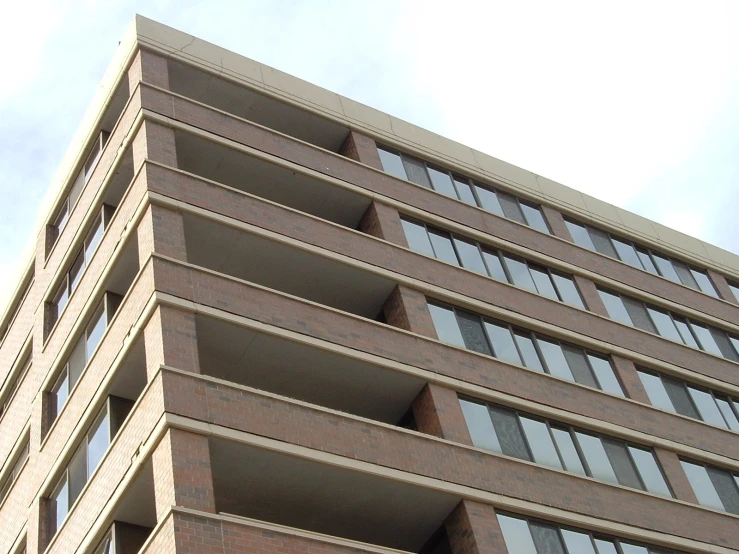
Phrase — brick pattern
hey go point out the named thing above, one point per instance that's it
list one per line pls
(675, 475)
(626, 372)
(361, 148)
(170, 338)
(722, 286)
(473, 528)
(161, 230)
(377, 182)
(275, 309)
(150, 68)
(407, 309)
(382, 221)
(437, 412)
(154, 142)
(556, 222)
(182, 473)
(590, 296)
(252, 412)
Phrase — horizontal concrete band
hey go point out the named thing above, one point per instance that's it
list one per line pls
(207, 292)
(436, 278)
(427, 201)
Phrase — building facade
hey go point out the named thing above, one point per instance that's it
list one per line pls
(261, 317)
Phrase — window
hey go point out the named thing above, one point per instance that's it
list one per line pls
(640, 257)
(16, 466)
(13, 382)
(522, 347)
(461, 188)
(81, 354)
(529, 536)
(691, 401)
(81, 261)
(631, 311)
(487, 261)
(714, 487)
(86, 459)
(560, 446)
(735, 290)
(123, 538)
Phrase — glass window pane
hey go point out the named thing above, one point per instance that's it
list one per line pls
(621, 463)
(495, 266)
(503, 346)
(519, 272)
(546, 538)
(577, 543)
(665, 267)
(470, 255)
(443, 248)
(638, 314)
(707, 407)
(442, 182)
(480, 426)
(528, 351)
(489, 200)
(704, 283)
(685, 333)
(596, 458)
(392, 164)
(61, 503)
(647, 261)
(579, 365)
(702, 485)
(633, 549)
(568, 451)
(446, 325)
(416, 172)
(543, 282)
(602, 243)
(509, 433)
(472, 333)
(98, 441)
(77, 472)
(93, 239)
(726, 488)
(62, 217)
(60, 393)
(684, 274)
(568, 290)
(418, 239)
(734, 290)
(75, 272)
(604, 373)
(722, 341)
(729, 414)
(680, 398)
(627, 253)
(605, 547)
(464, 191)
(580, 235)
(540, 442)
(664, 324)
(555, 359)
(705, 339)
(95, 331)
(77, 362)
(534, 218)
(62, 296)
(734, 343)
(656, 391)
(510, 206)
(516, 535)
(615, 307)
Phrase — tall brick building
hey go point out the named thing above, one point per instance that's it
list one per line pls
(262, 317)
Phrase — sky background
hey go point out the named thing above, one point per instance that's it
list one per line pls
(635, 103)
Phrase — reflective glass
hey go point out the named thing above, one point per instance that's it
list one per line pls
(540, 443)
(95, 331)
(664, 324)
(446, 325)
(684, 274)
(516, 535)
(75, 272)
(98, 441)
(512, 442)
(442, 182)
(615, 307)
(649, 471)
(638, 314)
(519, 272)
(705, 339)
(605, 375)
(627, 253)
(580, 235)
(707, 407)
(735, 290)
(495, 266)
(61, 504)
(555, 359)
(579, 365)
(722, 341)
(647, 261)
(502, 341)
(577, 543)
(464, 191)
(93, 239)
(489, 200)
(665, 267)
(725, 487)
(729, 414)
(480, 426)
(61, 393)
(543, 282)
(77, 472)
(416, 172)
(605, 547)
(510, 206)
(534, 218)
(633, 549)
(474, 337)
(685, 333)
(392, 164)
(568, 290)
(77, 362)
(602, 243)
(621, 463)
(702, 485)
(62, 217)
(546, 538)
(418, 239)
(596, 458)
(443, 249)
(568, 451)
(61, 298)
(680, 397)
(656, 391)
(528, 351)
(470, 255)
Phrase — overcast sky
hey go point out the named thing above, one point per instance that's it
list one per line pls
(636, 103)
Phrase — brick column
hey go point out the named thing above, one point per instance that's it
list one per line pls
(161, 230)
(361, 148)
(154, 142)
(37, 536)
(382, 221)
(626, 371)
(437, 412)
(182, 473)
(675, 475)
(472, 528)
(556, 223)
(170, 338)
(150, 68)
(590, 296)
(722, 287)
(407, 308)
